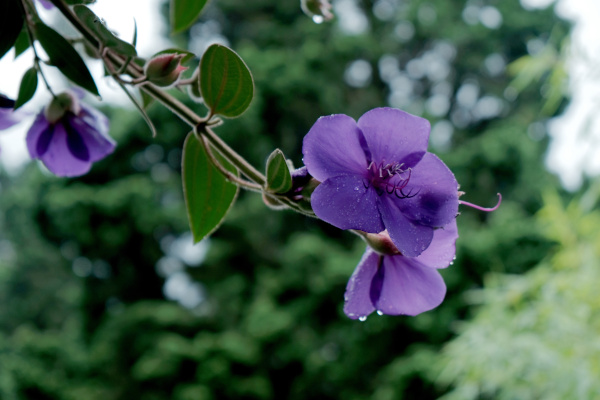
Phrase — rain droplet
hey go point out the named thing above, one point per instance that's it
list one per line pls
(451, 262)
(356, 188)
(379, 312)
(363, 318)
(317, 19)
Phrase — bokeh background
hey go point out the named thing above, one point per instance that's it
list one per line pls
(103, 295)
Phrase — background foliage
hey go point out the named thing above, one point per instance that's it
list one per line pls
(85, 264)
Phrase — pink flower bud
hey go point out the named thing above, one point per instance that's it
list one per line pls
(165, 69)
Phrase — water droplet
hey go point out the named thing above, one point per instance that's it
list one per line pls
(356, 188)
(379, 312)
(452, 263)
(317, 19)
(363, 318)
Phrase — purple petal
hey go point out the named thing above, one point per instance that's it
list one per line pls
(393, 135)
(442, 249)
(58, 158)
(93, 127)
(410, 237)
(8, 118)
(344, 202)
(46, 4)
(408, 287)
(436, 201)
(357, 297)
(333, 147)
(44, 140)
(36, 134)
(75, 143)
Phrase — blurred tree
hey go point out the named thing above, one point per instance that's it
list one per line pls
(86, 263)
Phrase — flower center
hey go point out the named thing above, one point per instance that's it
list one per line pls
(381, 177)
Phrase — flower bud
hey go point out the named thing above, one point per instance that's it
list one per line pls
(165, 69)
(318, 10)
(380, 242)
(58, 107)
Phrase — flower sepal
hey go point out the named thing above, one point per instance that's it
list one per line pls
(165, 69)
(380, 242)
(60, 105)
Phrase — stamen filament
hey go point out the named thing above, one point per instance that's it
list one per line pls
(466, 203)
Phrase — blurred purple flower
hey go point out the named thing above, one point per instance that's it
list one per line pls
(8, 117)
(377, 175)
(397, 285)
(68, 137)
(46, 4)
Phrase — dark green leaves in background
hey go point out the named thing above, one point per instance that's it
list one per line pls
(28, 87)
(208, 195)
(65, 57)
(105, 36)
(11, 22)
(184, 13)
(279, 179)
(225, 82)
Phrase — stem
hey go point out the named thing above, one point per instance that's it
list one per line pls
(199, 124)
(486, 209)
(36, 57)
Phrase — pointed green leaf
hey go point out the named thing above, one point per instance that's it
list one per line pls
(22, 43)
(279, 179)
(106, 37)
(225, 81)
(140, 109)
(208, 195)
(28, 87)
(63, 56)
(11, 21)
(184, 13)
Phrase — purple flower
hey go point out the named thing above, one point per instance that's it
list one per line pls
(68, 137)
(46, 4)
(376, 175)
(397, 285)
(8, 117)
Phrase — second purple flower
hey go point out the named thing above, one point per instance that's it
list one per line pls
(376, 175)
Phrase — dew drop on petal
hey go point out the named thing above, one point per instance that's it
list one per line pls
(317, 19)
(363, 318)
(379, 312)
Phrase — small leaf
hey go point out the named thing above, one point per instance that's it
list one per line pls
(11, 21)
(106, 37)
(225, 81)
(22, 43)
(184, 13)
(28, 87)
(279, 179)
(63, 56)
(140, 109)
(208, 195)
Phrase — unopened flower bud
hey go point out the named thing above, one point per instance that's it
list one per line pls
(66, 101)
(318, 10)
(165, 69)
(380, 242)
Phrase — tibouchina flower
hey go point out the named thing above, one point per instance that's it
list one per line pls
(376, 175)
(397, 285)
(68, 137)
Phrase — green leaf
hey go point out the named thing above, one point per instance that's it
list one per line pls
(184, 13)
(225, 81)
(208, 195)
(106, 37)
(279, 179)
(63, 56)
(11, 21)
(22, 43)
(28, 87)
(140, 109)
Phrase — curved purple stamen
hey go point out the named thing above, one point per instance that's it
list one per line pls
(466, 203)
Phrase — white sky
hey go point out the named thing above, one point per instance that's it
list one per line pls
(575, 145)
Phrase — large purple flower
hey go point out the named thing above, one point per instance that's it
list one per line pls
(397, 285)
(68, 137)
(376, 175)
